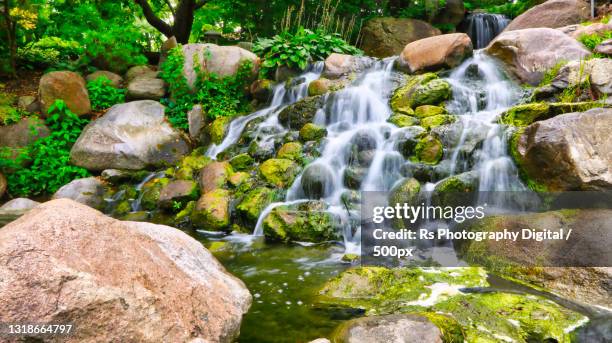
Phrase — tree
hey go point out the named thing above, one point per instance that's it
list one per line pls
(183, 18)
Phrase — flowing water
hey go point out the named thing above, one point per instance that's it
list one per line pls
(483, 27)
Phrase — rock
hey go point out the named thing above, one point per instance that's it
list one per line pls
(428, 111)
(25, 132)
(593, 75)
(401, 120)
(354, 176)
(568, 152)
(318, 87)
(341, 65)
(451, 14)
(291, 151)
(88, 191)
(254, 202)
(532, 262)
(142, 71)
(238, 178)
(115, 80)
(117, 176)
(529, 53)
(178, 191)
(426, 89)
(434, 53)
(214, 176)
(165, 49)
(261, 90)
(3, 185)
(15, 209)
(241, 162)
(320, 340)
(577, 30)
(429, 150)
(601, 75)
(218, 129)
(384, 37)
(220, 60)
(28, 103)
(284, 73)
(406, 192)
(552, 14)
(298, 114)
(189, 167)
(143, 88)
(304, 222)
(452, 190)
(279, 171)
(525, 114)
(150, 193)
(312, 132)
(164, 276)
(437, 120)
(197, 121)
(604, 47)
(133, 135)
(392, 328)
(67, 86)
(212, 211)
(317, 181)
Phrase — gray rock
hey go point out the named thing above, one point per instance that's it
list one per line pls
(140, 71)
(394, 328)
(144, 88)
(132, 136)
(115, 80)
(384, 37)
(88, 191)
(19, 204)
(197, 121)
(28, 103)
(341, 65)
(604, 47)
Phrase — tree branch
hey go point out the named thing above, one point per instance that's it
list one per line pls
(154, 20)
(170, 7)
(200, 4)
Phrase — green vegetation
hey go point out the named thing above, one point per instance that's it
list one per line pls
(44, 166)
(593, 40)
(103, 95)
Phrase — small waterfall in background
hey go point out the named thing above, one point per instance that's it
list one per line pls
(483, 27)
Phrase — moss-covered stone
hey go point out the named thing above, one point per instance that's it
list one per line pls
(237, 178)
(150, 193)
(290, 151)
(429, 150)
(212, 211)
(437, 120)
(218, 129)
(452, 190)
(402, 120)
(518, 160)
(306, 222)
(525, 114)
(405, 193)
(428, 111)
(318, 87)
(190, 165)
(215, 175)
(254, 202)
(177, 193)
(241, 162)
(312, 132)
(185, 212)
(298, 114)
(279, 171)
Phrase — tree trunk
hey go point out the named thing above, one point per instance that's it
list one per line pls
(10, 37)
(183, 19)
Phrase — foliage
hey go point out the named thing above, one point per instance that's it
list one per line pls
(422, 9)
(48, 51)
(593, 40)
(551, 73)
(44, 166)
(297, 50)
(509, 8)
(218, 96)
(10, 115)
(103, 95)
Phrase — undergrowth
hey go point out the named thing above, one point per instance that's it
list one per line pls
(103, 95)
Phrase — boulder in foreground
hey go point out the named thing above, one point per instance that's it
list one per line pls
(115, 281)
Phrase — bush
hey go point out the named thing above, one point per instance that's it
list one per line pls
(297, 50)
(47, 160)
(509, 8)
(48, 52)
(103, 95)
(219, 96)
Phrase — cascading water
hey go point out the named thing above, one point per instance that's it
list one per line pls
(483, 27)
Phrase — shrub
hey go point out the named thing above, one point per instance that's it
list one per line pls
(48, 51)
(103, 95)
(593, 40)
(44, 166)
(297, 50)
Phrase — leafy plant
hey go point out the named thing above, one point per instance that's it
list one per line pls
(422, 9)
(44, 166)
(297, 50)
(103, 95)
(48, 51)
(593, 40)
(551, 73)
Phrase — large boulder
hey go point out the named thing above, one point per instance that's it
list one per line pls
(279, 171)
(220, 60)
(64, 262)
(392, 328)
(65, 85)
(133, 135)
(384, 37)
(341, 65)
(433, 53)
(451, 14)
(605, 48)
(552, 14)
(87, 191)
(22, 133)
(529, 53)
(568, 152)
(15, 208)
(214, 176)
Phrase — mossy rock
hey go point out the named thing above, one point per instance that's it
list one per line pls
(254, 202)
(7, 99)
(437, 120)
(185, 212)
(242, 162)
(428, 111)
(402, 120)
(190, 165)
(300, 113)
(429, 150)
(518, 160)
(279, 171)
(525, 114)
(425, 89)
(312, 132)
(218, 129)
(399, 101)
(238, 178)
(211, 212)
(150, 193)
(452, 190)
(290, 151)
(306, 222)
(406, 192)
(318, 87)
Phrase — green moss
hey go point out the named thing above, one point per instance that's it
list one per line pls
(516, 156)
(241, 162)
(238, 178)
(401, 120)
(218, 128)
(437, 120)
(279, 171)
(525, 114)
(285, 223)
(551, 73)
(290, 151)
(190, 165)
(428, 111)
(312, 132)
(429, 150)
(400, 100)
(212, 211)
(254, 202)
(150, 193)
(449, 327)
(185, 212)
(318, 87)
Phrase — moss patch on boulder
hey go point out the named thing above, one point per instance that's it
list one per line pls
(241, 162)
(429, 150)
(218, 129)
(312, 132)
(279, 171)
(402, 120)
(298, 114)
(437, 120)
(212, 211)
(254, 202)
(428, 111)
(525, 114)
(306, 222)
(290, 151)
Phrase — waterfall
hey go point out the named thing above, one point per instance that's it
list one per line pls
(483, 27)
